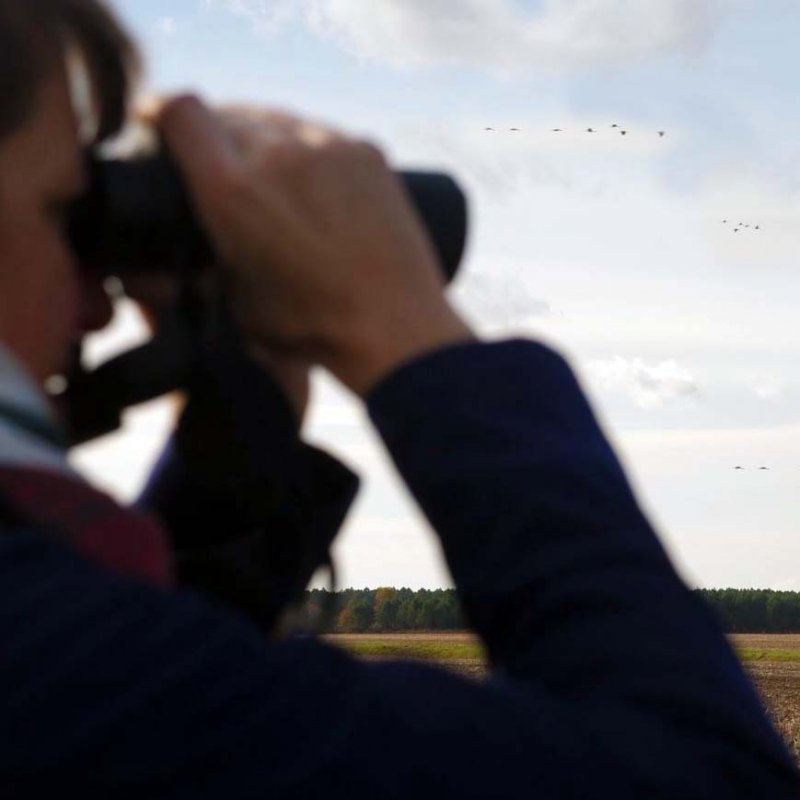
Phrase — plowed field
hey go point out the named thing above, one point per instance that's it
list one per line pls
(771, 660)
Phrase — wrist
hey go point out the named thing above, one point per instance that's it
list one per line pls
(362, 356)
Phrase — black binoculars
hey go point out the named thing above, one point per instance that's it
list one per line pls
(137, 217)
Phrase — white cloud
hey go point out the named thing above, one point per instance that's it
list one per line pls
(766, 386)
(502, 35)
(648, 386)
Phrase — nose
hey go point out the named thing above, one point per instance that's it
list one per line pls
(96, 309)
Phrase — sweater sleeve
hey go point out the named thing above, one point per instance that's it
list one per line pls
(609, 681)
(557, 567)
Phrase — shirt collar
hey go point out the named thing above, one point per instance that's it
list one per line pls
(30, 434)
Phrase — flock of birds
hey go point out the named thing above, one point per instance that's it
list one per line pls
(741, 226)
(615, 126)
(760, 468)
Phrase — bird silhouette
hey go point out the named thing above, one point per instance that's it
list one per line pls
(557, 130)
(662, 134)
(736, 230)
(488, 129)
(624, 133)
(591, 130)
(513, 129)
(615, 125)
(724, 222)
(758, 227)
(738, 467)
(763, 468)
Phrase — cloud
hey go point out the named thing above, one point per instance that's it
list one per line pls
(501, 35)
(766, 386)
(504, 299)
(648, 386)
(268, 17)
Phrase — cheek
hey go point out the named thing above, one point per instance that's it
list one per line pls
(39, 300)
(39, 286)
(52, 287)
(57, 286)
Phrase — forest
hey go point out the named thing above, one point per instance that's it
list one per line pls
(389, 609)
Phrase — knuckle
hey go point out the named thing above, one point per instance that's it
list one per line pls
(353, 152)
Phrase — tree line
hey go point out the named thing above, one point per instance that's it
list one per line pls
(755, 610)
(384, 609)
(389, 609)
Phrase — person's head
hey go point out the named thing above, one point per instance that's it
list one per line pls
(46, 303)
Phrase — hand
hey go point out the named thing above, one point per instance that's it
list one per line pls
(328, 260)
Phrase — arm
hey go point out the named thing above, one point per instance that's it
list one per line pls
(556, 565)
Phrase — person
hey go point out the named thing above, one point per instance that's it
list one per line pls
(609, 678)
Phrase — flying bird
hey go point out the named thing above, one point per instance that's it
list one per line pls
(758, 227)
(763, 467)
(591, 130)
(557, 130)
(662, 134)
(513, 129)
(624, 133)
(488, 129)
(615, 125)
(738, 467)
(724, 222)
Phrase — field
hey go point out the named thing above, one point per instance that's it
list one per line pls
(771, 660)
(773, 663)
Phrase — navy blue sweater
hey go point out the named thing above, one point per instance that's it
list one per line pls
(609, 678)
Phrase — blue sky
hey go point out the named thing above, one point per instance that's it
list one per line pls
(610, 248)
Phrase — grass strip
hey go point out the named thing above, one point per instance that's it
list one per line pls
(472, 651)
(424, 651)
(758, 654)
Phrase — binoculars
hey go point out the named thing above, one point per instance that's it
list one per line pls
(137, 217)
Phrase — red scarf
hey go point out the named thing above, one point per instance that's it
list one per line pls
(120, 539)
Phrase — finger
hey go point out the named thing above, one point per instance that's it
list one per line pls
(251, 126)
(249, 115)
(251, 136)
(199, 143)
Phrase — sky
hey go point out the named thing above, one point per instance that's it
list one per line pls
(609, 248)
